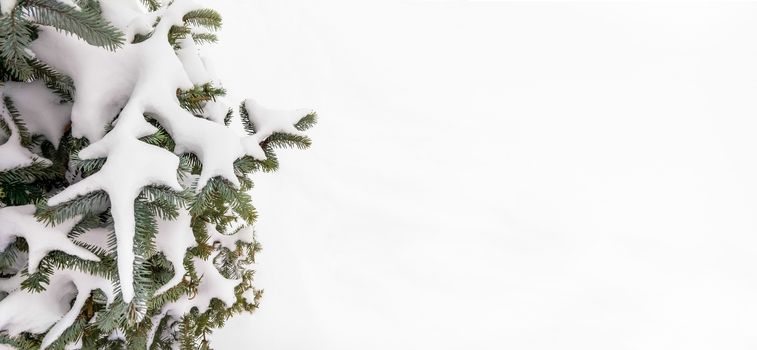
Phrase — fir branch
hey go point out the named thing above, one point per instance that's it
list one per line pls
(284, 140)
(88, 204)
(59, 83)
(11, 253)
(23, 132)
(227, 118)
(161, 138)
(111, 318)
(307, 122)
(87, 24)
(20, 342)
(219, 203)
(206, 18)
(204, 38)
(194, 99)
(177, 33)
(5, 128)
(247, 123)
(15, 36)
(152, 5)
(70, 335)
(190, 163)
(163, 202)
(27, 174)
(92, 5)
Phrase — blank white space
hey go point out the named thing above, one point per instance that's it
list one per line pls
(503, 175)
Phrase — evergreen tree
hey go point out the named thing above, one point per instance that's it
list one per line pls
(125, 218)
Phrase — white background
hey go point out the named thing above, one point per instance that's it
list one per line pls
(491, 175)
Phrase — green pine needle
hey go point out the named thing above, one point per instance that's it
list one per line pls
(206, 18)
(15, 37)
(87, 24)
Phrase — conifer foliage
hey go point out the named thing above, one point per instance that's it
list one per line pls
(125, 217)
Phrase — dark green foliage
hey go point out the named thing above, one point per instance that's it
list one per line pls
(204, 38)
(282, 140)
(14, 184)
(207, 18)
(24, 342)
(28, 184)
(89, 204)
(246, 121)
(177, 33)
(86, 23)
(193, 100)
(23, 133)
(18, 29)
(214, 199)
(91, 5)
(307, 122)
(15, 36)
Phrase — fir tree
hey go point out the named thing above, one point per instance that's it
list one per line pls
(125, 218)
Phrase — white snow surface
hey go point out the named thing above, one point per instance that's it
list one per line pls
(97, 237)
(12, 153)
(50, 310)
(22, 311)
(190, 57)
(85, 284)
(40, 109)
(268, 121)
(173, 239)
(212, 286)
(503, 175)
(129, 17)
(19, 221)
(7, 5)
(215, 110)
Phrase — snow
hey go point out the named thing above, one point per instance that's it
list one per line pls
(497, 175)
(193, 64)
(215, 110)
(104, 80)
(12, 153)
(115, 91)
(268, 121)
(70, 3)
(23, 311)
(212, 286)
(40, 109)
(173, 239)
(146, 83)
(10, 284)
(129, 17)
(84, 284)
(19, 221)
(130, 166)
(136, 80)
(97, 237)
(6, 6)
